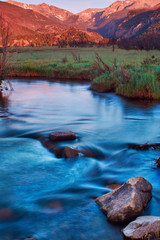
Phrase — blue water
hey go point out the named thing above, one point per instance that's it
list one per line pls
(53, 198)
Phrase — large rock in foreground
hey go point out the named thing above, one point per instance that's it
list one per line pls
(62, 136)
(142, 227)
(128, 201)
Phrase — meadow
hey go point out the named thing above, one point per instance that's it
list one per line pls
(133, 73)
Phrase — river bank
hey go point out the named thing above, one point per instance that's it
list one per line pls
(132, 74)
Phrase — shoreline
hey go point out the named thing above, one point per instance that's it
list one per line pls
(106, 71)
(38, 75)
(98, 88)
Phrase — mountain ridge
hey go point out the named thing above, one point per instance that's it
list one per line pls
(44, 9)
(122, 19)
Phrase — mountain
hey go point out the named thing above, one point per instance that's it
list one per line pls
(131, 22)
(98, 18)
(20, 19)
(138, 23)
(48, 11)
(29, 26)
(123, 19)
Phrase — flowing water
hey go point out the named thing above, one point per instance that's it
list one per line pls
(49, 198)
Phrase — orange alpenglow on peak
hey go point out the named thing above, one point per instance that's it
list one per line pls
(121, 20)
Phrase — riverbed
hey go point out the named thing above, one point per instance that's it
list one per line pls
(50, 198)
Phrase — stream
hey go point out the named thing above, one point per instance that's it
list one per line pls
(48, 198)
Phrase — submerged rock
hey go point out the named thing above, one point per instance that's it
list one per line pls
(70, 152)
(27, 239)
(62, 136)
(58, 152)
(127, 201)
(90, 151)
(6, 214)
(146, 226)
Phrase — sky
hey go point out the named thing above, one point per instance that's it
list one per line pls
(74, 6)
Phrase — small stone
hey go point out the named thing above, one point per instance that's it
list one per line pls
(128, 201)
(62, 136)
(70, 152)
(145, 227)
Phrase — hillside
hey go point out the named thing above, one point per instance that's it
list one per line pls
(129, 22)
(122, 19)
(31, 27)
(138, 23)
(48, 11)
(95, 19)
(20, 18)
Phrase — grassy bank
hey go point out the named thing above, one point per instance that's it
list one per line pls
(141, 81)
(133, 73)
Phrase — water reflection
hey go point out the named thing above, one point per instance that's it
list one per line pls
(4, 102)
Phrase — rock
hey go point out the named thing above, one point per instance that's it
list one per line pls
(6, 214)
(143, 227)
(128, 201)
(85, 150)
(70, 152)
(90, 151)
(113, 186)
(158, 162)
(62, 136)
(52, 147)
(55, 207)
(26, 239)
(144, 147)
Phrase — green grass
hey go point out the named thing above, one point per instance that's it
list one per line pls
(140, 82)
(142, 85)
(55, 55)
(135, 73)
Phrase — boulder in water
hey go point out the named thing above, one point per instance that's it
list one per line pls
(62, 136)
(143, 227)
(128, 201)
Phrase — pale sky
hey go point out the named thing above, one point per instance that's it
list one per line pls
(74, 6)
